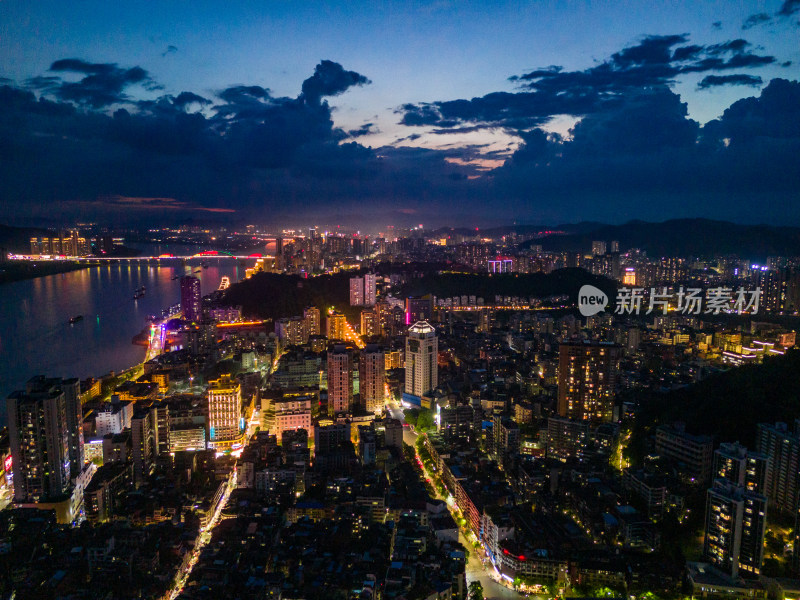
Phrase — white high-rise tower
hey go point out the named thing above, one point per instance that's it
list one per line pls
(422, 372)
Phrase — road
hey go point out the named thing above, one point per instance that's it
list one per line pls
(202, 539)
(476, 570)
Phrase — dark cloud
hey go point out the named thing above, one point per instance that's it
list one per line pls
(646, 152)
(756, 19)
(102, 84)
(633, 153)
(244, 146)
(652, 121)
(43, 83)
(789, 7)
(170, 50)
(775, 114)
(186, 98)
(330, 79)
(710, 81)
(717, 25)
(244, 93)
(655, 61)
(365, 129)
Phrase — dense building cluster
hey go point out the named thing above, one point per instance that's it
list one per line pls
(406, 442)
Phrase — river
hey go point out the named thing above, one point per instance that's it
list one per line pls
(37, 338)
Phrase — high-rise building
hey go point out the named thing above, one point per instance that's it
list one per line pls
(372, 377)
(457, 423)
(190, 298)
(40, 442)
(633, 339)
(614, 246)
(418, 309)
(312, 320)
(422, 369)
(390, 318)
(484, 320)
(292, 331)
(225, 419)
(734, 463)
(370, 289)
(735, 526)
(783, 449)
(279, 264)
(566, 438)
(506, 436)
(74, 414)
(587, 376)
(369, 323)
(336, 325)
(340, 380)
(356, 291)
(144, 442)
(598, 248)
(736, 510)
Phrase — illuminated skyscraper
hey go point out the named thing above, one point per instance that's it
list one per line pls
(312, 320)
(363, 290)
(735, 526)
(336, 326)
(782, 446)
(369, 323)
(356, 291)
(736, 510)
(225, 419)
(370, 290)
(734, 463)
(190, 298)
(422, 369)
(340, 380)
(144, 442)
(587, 376)
(291, 332)
(372, 377)
(40, 442)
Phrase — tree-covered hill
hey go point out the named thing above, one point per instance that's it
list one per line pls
(729, 405)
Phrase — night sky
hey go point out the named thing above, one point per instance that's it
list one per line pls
(373, 113)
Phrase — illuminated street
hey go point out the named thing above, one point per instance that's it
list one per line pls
(476, 568)
(203, 538)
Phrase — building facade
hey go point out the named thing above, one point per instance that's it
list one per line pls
(422, 370)
(225, 419)
(587, 378)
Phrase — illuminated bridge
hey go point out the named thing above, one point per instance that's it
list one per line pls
(211, 254)
(475, 308)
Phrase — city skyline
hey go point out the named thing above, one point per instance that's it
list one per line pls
(416, 114)
(400, 301)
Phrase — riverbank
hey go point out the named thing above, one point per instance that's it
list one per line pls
(20, 270)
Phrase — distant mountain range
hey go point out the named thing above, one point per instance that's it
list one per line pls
(679, 237)
(565, 228)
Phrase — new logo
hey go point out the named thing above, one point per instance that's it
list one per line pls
(591, 300)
